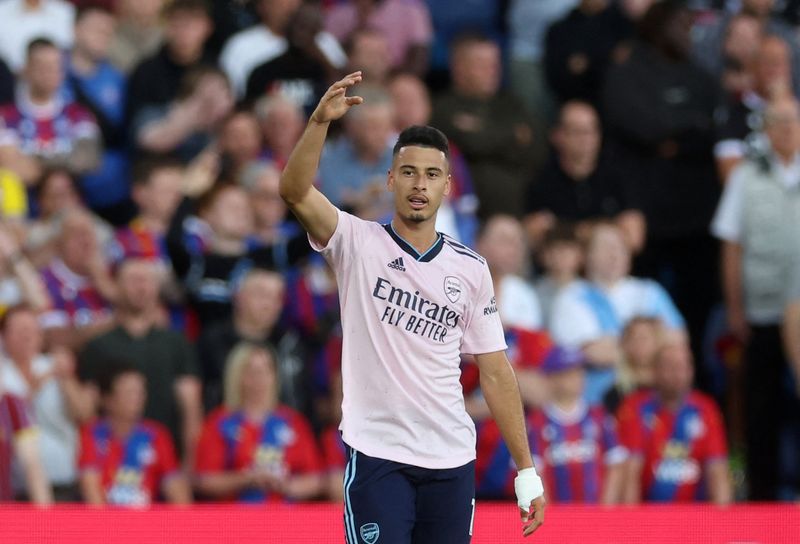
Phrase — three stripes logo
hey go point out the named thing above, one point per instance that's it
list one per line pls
(397, 264)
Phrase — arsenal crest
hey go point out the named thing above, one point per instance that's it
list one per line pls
(452, 288)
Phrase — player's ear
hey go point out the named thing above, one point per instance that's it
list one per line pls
(447, 184)
(390, 181)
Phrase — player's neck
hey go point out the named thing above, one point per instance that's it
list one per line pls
(420, 235)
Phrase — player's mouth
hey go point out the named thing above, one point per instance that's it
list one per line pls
(417, 202)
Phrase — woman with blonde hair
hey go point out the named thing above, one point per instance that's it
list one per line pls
(640, 342)
(253, 449)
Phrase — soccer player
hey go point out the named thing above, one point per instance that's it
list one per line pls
(412, 300)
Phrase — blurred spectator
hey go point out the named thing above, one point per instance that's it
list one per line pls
(583, 457)
(489, 126)
(333, 449)
(164, 357)
(249, 48)
(302, 72)
(126, 460)
(257, 307)
(658, 111)
(456, 215)
(353, 167)
(368, 52)
(22, 21)
(239, 142)
(282, 123)
(709, 38)
(19, 443)
(157, 79)
(261, 179)
(187, 125)
(528, 23)
(791, 326)
(19, 279)
(41, 129)
(99, 87)
(592, 314)
(579, 48)
(229, 18)
(502, 244)
(79, 285)
(408, 42)
(254, 449)
(739, 130)
(56, 197)
(641, 339)
(211, 276)
(452, 18)
(789, 487)
(675, 437)
(758, 221)
(739, 48)
(573, 443)
(49, 385)
(157, 185)
(139, 32)
(561, 255)
(579, 184)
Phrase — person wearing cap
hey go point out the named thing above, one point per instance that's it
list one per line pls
(573, 442)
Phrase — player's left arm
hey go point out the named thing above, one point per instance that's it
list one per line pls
(500, 388)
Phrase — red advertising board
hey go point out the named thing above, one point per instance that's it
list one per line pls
(322, 523)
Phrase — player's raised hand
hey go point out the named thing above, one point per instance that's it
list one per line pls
(533, 518)
(335, 102)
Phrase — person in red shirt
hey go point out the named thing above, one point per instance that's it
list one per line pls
(675, 437)
(124, 459)
(253, 449)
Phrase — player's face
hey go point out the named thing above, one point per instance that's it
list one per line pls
(127, 398)
(419, 179)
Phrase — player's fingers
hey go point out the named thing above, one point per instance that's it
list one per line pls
(347, 81)
(353, 100)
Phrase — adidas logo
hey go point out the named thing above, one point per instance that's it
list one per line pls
(397, 264)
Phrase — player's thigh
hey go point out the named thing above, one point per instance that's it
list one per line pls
(378, 501)
(446, 507)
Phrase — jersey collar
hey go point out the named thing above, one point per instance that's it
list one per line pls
(425, 257)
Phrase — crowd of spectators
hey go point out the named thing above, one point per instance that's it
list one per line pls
(630, 170)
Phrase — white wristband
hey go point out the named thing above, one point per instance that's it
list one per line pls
(528, 486)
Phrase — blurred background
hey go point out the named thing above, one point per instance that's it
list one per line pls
(630, 169)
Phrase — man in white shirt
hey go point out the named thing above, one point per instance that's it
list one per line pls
(22, 21)
(254, 46)
(758, 221)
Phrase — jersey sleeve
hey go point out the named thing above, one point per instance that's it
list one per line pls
(613, 451)
(87, 452)
(630, 428)
(484, 331)
(303, 456)
(347, 239)
(716, 444)
(165, 452)
(210, 456)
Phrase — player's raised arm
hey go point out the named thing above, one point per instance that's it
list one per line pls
(316, 213)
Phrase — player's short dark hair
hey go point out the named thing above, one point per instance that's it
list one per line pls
(188, 6)
(112, 371)
(420, 136)
(39, 43)
(144, 168)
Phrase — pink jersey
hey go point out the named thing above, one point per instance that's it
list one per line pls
(406, 317)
